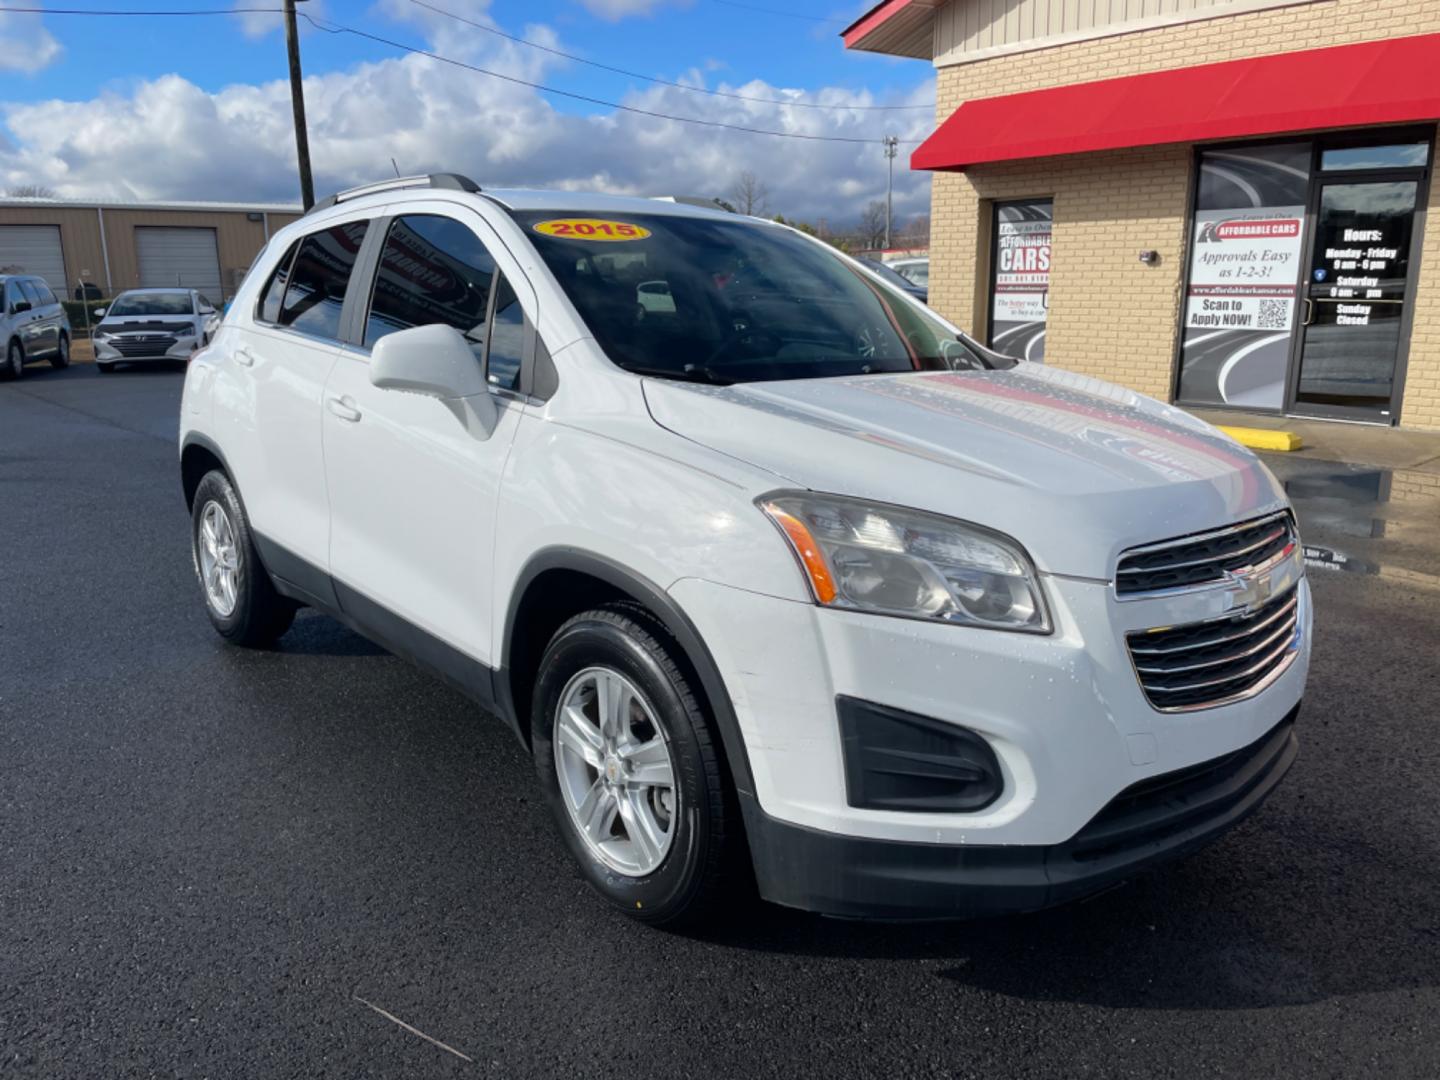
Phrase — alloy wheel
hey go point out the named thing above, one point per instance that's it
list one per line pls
(617, 776)
(219, 558)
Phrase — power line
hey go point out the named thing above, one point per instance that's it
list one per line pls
(339, 28)
(777, 11)
(650, 78)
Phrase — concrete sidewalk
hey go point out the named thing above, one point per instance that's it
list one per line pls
(1357, 444)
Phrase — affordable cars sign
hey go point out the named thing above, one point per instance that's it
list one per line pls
(1244, 269)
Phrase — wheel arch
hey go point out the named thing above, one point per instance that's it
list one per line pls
(560, 582)
(198, 456)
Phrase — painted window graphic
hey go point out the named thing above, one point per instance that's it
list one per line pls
(1020, 278)
(1245, 266)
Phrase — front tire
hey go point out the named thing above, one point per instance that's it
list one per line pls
(240, 599)
(61, 359)
(631, 768)
(14, 361)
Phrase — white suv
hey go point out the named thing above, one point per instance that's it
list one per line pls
(786, 572)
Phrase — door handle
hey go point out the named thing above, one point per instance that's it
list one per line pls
(344, 408)
(1309, 312)
(244, 357)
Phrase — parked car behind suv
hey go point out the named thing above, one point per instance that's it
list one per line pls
(148, 325)
(786, 569)
(33, 325)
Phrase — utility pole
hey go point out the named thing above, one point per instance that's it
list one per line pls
(892, 145)
(297, 104)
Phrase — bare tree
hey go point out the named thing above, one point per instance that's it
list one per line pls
(917, 231)
(872, 224)
(31, 191)
(749, 194)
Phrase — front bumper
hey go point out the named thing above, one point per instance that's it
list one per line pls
(1153, 822)
(108, 353)
(1064, 713)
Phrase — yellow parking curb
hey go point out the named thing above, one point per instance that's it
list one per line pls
(1263, 439)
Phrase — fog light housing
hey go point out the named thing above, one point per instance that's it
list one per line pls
(897, 760)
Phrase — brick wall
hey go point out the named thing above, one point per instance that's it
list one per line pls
(1110, 315)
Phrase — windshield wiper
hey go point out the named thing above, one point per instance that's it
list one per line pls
(689, 373)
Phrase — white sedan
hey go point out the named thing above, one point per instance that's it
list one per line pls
(148, 325)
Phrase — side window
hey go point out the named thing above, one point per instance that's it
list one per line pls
(432, 270)
(204, 307)
(507, 339)
(46, 296)
(316, 291)
(268, 309)
(32, 294)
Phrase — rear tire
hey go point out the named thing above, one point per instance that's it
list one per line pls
(61, 359)
(664, 833)
(239, 597)
(14, 361)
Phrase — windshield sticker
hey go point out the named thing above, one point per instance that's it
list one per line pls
(591, 229)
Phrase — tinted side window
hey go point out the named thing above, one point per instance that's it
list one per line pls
(274, 291)
(432, 270)
(316, 291)
(31, 293)
(46, 296)
(507, 339)
(205, 307)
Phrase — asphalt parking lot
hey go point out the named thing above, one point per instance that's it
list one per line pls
(211, 860)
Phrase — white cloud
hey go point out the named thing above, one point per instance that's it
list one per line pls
(168, 139)
(615, 10)
(25, 44)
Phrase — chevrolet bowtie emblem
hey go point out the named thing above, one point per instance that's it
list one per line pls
(1251, 588)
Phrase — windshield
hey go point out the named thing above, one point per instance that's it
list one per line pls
(724, 301)
(889, 275)
(162, 303)
(919, 273)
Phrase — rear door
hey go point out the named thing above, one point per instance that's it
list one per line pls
(42, 334)
(269, 397)
(413, 480)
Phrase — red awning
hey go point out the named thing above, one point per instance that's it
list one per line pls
(1376, 82)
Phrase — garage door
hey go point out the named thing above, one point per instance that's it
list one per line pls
(172, 256)
(33, 249)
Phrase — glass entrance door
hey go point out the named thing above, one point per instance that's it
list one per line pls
(1355, 297)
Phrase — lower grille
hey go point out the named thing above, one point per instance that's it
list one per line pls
(158, 345)
(1161, 807)
(1203, 664)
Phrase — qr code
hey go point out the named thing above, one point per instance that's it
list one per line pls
(1272, 315)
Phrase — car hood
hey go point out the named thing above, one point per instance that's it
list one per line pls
(153, 323)
(1075, 469)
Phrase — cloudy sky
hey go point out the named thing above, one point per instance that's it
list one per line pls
(198, 108)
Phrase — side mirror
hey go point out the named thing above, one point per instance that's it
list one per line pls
(100, 312)
(432, 360)
(20, 306)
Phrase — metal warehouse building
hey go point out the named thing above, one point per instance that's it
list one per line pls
(115, 246)
(1217, 202)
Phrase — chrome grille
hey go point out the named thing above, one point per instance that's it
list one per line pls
(1202, 558)
(1209, 663)
(142, 345)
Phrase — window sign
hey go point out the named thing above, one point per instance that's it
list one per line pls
(1245, 266)
(1020, 278)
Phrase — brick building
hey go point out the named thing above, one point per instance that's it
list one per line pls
(112, 246)
(1216, 202)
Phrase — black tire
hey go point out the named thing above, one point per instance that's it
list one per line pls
(260, 614)
(703, 864)
(104, 369)
(62, 358)
(14, 360)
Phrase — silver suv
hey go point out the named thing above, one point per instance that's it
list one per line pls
(34, 324)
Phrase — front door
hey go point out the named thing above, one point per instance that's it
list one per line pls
(1355, 298)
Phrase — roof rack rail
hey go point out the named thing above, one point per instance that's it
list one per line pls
(446, 180)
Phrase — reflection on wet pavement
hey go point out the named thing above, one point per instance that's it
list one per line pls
(1360, 519)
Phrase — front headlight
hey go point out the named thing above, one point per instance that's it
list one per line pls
(892, 561)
